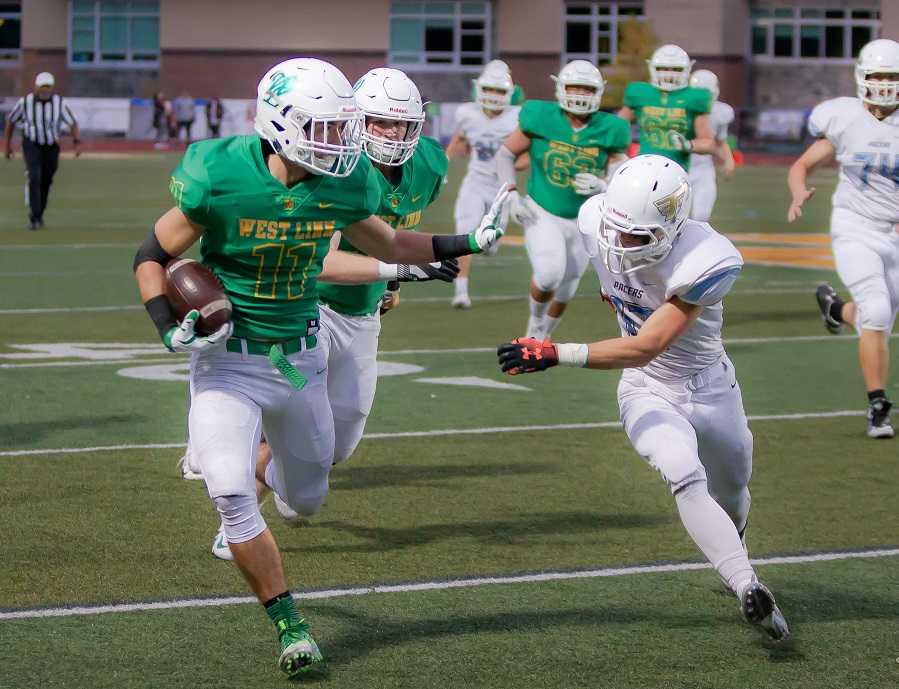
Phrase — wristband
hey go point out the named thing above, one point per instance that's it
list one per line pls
(452, 246)
(387, 271)
(161, 314)
(572, 354)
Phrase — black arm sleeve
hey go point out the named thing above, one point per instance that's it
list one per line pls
(151, 250)
(450, 246)
(161, 314)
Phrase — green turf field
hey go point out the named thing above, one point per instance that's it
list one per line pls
(454, 484)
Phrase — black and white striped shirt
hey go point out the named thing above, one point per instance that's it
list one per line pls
(41, 118)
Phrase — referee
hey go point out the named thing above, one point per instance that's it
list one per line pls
(40, 114)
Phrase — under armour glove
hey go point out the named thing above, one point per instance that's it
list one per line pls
(681, 143)
(520, 209)
(183, 338)
(588, 184)
(527, 355)
(445, 270)
(489, 232)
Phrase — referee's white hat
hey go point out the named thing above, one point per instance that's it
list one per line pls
(44, 79)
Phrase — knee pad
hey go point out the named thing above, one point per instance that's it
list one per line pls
(547, 278)
(241, 517)
(308, 503)
(679, 477)
(875, 312)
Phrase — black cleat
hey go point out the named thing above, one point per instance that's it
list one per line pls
(879, 425)
(759, 609)
(826, 297)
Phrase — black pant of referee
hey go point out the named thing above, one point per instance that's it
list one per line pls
(41, 162)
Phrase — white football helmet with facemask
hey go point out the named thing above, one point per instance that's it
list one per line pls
(647, 201)
(306, 110)
(579, 73)
(705, 79)
(388, 94)
(878, 57)
(496, 75)
(669, 68)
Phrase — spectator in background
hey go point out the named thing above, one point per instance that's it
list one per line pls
(40, 114)
(185, 112)
(215, 113)
(161, 110)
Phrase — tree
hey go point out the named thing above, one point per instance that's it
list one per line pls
(636, 43)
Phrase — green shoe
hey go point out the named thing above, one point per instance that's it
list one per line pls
(298, 648)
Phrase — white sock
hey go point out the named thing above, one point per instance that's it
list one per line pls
(550, 324)
(715, 534)
(538, 308)
(461, 285)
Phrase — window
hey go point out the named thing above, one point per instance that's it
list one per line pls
(10, 31)
(591, 29)
(781, 32)
(440, 35)
(114, 33)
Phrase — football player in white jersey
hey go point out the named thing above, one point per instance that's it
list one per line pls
(481, 128)
(862, 135)
(680, 403)
(702, 165)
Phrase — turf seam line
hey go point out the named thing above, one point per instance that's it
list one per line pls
(434, 433)
(437, 585)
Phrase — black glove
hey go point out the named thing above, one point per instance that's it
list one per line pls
(527, 355)
(445, 270)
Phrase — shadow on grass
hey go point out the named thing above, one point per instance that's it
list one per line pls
(15, 434)
(363, 477)
(497, 532)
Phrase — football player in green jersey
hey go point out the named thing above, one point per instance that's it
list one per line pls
(672, 116)
(264, 209)
(572, 147)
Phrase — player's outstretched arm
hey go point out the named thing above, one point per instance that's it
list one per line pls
(664, 326)
(626, 114)
(458, 146)
(725, 157)
(704, 142)
(819, 153)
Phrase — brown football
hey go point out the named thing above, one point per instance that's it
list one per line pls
(191, 285)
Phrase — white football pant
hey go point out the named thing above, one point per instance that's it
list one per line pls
(705, 191)
(557, 254)
(693, 431)
(234, 397)
(351, 346)
(867, 259)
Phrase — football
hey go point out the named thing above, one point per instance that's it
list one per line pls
(191, 285)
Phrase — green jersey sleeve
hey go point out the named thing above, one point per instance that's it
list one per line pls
(531, 116)
(619, 135)
(517, 95)
(699, 101)
(190, 188)
(433, 156)
(635, 94)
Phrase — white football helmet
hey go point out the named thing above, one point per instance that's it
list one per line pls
(306, 110)
(496, 75)
(669, 67)
(579, 73)
(648, 201)
(878, 57)
(389, 94)
(705, 79)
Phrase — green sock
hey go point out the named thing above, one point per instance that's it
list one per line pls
(282, 611)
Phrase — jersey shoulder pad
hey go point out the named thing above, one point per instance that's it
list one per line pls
(533, 115)
(517, 95)
(831, 118)
(355, 196)
(464, 115)
(705, 265)
(589, 218)
(722, 112)
(639, 93)
(190, 184)
(698, 100)
(432, 156)
(619, 132)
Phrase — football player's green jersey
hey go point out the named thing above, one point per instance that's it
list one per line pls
(401, 207)
(659, 113)
(265, 241)
(558, 152)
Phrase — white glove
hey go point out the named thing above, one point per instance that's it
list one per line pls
(520, 210)
(182, 338)
(681, 143)
(588, 184)
(489, 232)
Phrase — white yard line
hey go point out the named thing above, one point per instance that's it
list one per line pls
(430, 433)
(439, 585)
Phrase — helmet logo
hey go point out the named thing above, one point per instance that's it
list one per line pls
(671, 205)
(280, 84)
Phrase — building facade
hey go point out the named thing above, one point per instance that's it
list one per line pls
(767, 53)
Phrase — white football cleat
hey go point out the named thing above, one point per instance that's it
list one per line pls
(220, 546)
(286, 511)
(189, 470)
(461, 301)
(759, 608)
